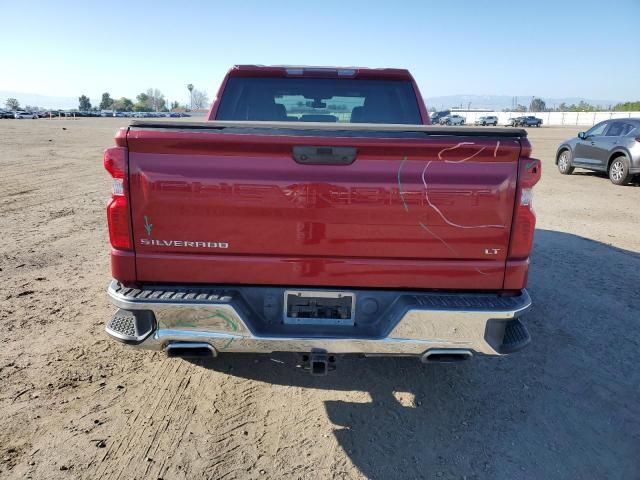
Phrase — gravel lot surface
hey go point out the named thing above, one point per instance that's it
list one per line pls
(76, 405)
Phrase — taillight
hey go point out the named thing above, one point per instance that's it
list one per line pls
(115, 162)
(524, 220)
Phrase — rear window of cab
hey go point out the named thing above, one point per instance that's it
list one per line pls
(319, 100)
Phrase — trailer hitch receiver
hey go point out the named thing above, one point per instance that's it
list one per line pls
(318, 362)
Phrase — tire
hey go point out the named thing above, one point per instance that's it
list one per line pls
(619, 170)
(564, 163)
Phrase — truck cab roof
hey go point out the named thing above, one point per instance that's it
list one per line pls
(319, 72)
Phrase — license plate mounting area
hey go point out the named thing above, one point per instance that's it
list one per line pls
(305, 307)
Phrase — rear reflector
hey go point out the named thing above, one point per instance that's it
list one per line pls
(526, 197)
(117, 187)
(118, 218)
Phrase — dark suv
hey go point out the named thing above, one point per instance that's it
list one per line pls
(435, 117)
(612, 146)
(529, 121)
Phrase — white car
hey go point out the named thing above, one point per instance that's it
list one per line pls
(490, 120)
(452, 120)
(20, 115)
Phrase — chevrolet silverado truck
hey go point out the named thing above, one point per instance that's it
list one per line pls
(316, 211)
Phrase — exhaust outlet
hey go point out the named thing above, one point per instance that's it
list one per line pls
(190, 350)
(446, 355)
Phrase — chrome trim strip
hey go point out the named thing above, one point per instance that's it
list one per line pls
(244, 126)
(589, 161)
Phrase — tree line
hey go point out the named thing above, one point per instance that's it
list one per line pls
(153, 100)
(539, 105)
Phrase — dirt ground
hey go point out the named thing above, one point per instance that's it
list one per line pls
(74, 404)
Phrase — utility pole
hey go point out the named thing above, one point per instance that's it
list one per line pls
(190, 88)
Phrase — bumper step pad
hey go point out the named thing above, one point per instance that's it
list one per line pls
(203, 295)
(131, 327)
(172, 295)
(124, 323)
(516, 337)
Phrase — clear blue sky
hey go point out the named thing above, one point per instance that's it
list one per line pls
(546, 48)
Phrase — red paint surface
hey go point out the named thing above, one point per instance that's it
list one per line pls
(123, 266)
(293, 224)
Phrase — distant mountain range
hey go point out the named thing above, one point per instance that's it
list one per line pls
(500, 102)
(488, 102)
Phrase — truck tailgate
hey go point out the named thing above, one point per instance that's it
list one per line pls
(233, 206)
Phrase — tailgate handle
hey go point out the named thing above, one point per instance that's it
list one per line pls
(325, 155)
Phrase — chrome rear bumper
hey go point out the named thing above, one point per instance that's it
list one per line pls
(418, 322)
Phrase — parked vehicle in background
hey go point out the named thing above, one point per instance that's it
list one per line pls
(303, 256)
(23, 114)
(489, 120)
(525, 121)
(435, 117)
(148, 115)
(7, 114)
(612, 146)
(514, 121)
(530, 121)
(452, 120)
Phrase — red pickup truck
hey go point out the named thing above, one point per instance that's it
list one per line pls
(317, 211)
